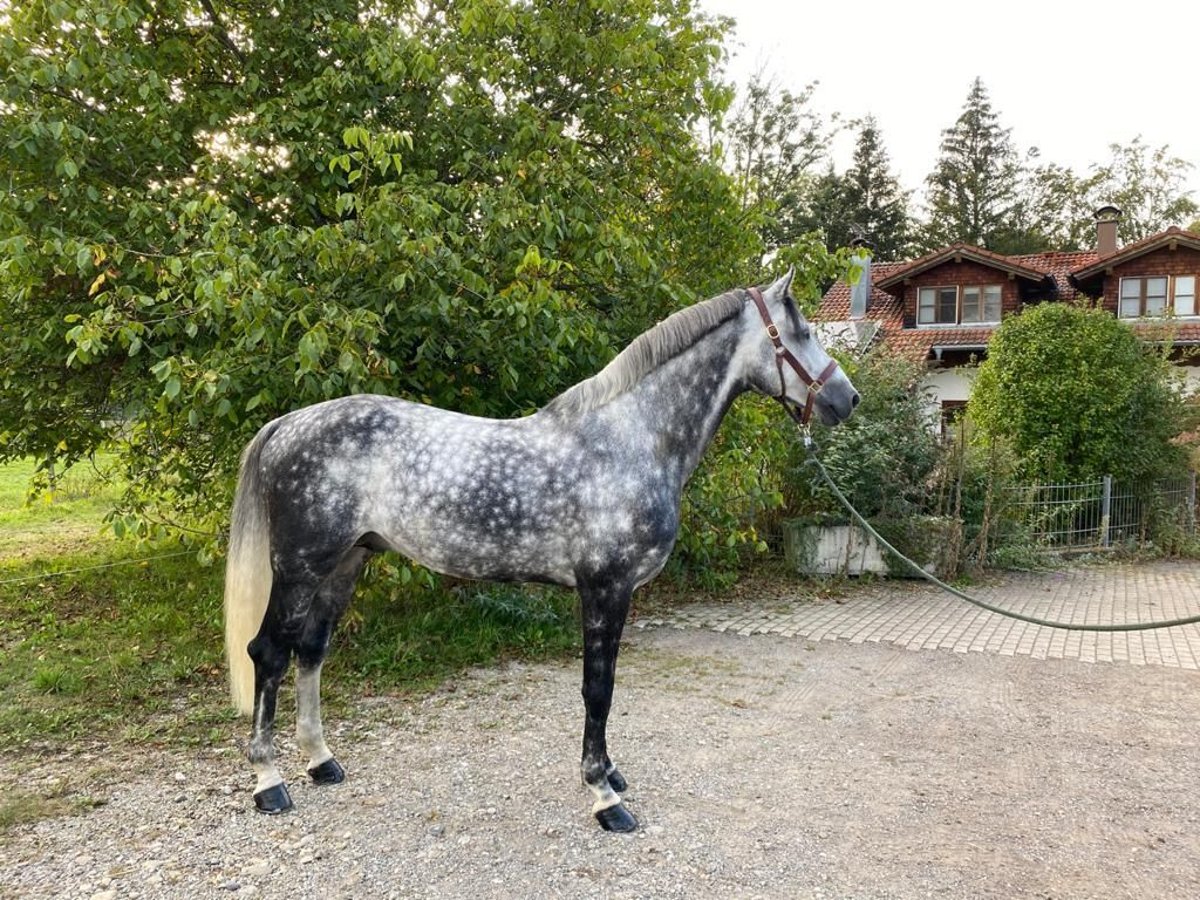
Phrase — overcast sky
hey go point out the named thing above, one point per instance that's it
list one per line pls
(1067, 77)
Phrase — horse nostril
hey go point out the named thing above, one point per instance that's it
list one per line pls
(854, 400)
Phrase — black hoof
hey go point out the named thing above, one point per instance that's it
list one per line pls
(274, 800)
(328, 772)
(617, 818)
(617, 781)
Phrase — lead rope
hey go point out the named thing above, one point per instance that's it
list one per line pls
(814, 460)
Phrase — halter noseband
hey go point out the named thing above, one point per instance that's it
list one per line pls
(782, 355)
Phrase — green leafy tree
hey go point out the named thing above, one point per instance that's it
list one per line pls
(1051, 211)
(972, 189)
(883, 457)
(775, 141)
(216, 213)
(1147, 184)
(1077, 395)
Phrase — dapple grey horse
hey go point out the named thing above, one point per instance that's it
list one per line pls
(585, 493)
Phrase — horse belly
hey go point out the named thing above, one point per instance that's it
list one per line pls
(494, 548)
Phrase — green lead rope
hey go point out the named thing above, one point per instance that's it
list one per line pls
(810, 447)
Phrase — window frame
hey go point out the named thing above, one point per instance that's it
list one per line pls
(1170, 305)
(1174, 296)
(960, 291)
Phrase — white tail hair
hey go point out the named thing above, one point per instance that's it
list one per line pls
(247, 574)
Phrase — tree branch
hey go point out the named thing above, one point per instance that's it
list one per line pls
(221, 32)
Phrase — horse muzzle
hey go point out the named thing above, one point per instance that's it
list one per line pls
(836, 401)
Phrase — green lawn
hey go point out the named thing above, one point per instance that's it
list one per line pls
(69, 520)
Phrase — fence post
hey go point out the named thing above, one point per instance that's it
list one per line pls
(1192, 504)
(1105, 511)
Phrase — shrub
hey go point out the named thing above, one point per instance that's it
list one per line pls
(1078, 395)
(883, 456)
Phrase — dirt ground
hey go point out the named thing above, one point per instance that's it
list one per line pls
(758, 766)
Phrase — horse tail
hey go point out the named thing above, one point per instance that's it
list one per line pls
(247, 572)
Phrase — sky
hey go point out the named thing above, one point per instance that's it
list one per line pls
(1067, 77)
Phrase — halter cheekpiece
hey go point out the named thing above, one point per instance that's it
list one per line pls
(782, 355)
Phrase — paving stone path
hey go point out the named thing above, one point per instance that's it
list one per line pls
(920, 616)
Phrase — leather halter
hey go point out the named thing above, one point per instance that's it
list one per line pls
(784, 355)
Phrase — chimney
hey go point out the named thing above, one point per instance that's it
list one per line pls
(860, 289)
(1106, 218)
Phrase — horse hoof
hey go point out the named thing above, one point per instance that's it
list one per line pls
(328, 772)
(617, 781)
(273, 800)
(616, 818)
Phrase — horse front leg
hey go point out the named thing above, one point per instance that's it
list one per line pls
(604, 610)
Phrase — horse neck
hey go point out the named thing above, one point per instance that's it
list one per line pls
(682, 402)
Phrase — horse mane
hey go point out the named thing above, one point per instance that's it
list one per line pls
(647, 352)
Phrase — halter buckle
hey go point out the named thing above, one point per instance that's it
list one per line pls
(773, 331)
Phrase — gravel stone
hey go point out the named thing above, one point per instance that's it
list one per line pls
(760, 766)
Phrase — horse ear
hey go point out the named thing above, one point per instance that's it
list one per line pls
(783, 283)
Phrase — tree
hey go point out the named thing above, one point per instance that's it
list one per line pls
(875, 206)
(1077, 395)
(883, 457)
(973, 186)
(1147, 184)
(776, 140)
(215, 215)
(1051, 211)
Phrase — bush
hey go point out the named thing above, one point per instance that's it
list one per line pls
(881, 458)
(734, 499)
(1078, 395)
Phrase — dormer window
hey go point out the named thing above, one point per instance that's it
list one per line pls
(1152, 295)
(976, 304)
(1184, 292)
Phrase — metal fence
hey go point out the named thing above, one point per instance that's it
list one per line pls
(1103, 513)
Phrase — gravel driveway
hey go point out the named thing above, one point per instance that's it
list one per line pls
(759, 766)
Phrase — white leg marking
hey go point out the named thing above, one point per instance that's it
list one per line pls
(309, 732)
(268, 777)
(605, 797)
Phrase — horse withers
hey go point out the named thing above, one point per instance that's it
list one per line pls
(585, 492)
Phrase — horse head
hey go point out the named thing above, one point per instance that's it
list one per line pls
(790, 364)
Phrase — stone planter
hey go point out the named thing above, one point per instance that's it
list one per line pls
(821, 548)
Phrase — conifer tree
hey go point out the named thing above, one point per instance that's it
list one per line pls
(973, 186)
(877, 206)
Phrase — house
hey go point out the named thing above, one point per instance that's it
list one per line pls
(943, 308)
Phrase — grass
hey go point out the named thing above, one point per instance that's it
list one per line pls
(69, 519)
(132, 653)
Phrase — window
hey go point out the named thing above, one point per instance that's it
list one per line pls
(1143, 296)
(981, 304)
(1185, 295)
(952, 413)
(937, 306)
(940, 305)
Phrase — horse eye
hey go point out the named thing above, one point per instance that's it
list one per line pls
(805, 332)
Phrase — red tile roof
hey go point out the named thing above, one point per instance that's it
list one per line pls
(1056, 267)
(1137, 248)
(1007, 264)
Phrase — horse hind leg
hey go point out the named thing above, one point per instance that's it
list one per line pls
(331, 601)
(271, 652)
